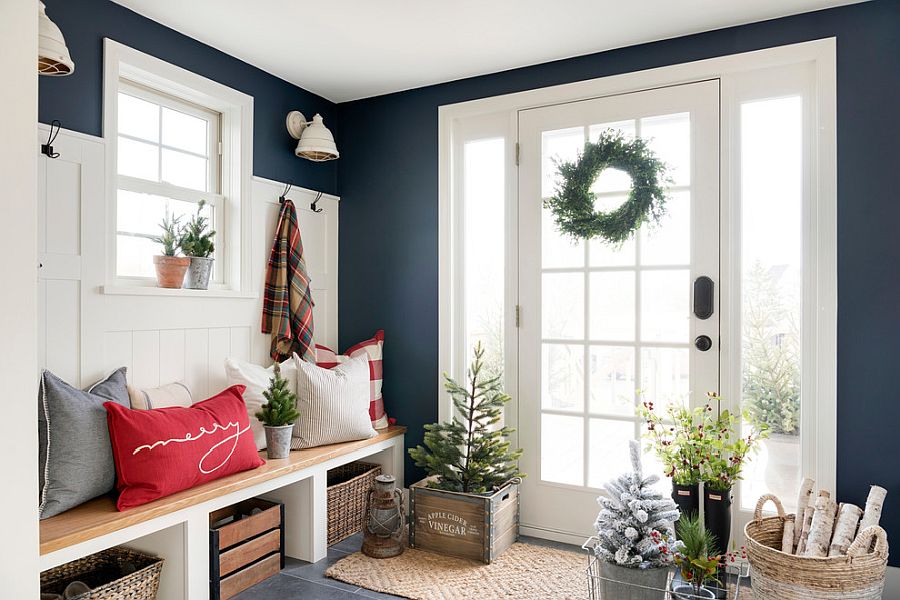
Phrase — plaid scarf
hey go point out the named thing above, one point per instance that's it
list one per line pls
(287, 305)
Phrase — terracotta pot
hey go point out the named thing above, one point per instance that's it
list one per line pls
(170, 270)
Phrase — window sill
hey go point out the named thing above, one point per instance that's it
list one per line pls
(146, 290)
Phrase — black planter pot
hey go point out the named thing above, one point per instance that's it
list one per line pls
(687, 497)
(717, 516)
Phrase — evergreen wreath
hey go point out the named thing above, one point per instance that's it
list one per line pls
(573, 204)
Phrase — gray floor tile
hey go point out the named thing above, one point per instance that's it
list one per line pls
(350, 545)
(285, 587)
(315, 572)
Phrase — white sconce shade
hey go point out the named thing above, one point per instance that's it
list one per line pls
(53, 56)
(316, 141)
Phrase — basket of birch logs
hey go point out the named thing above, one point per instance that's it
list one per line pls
(833, 551)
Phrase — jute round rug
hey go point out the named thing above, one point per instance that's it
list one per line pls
(524, 572)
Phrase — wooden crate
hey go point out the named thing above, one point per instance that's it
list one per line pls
(244, 548)
(463, 525)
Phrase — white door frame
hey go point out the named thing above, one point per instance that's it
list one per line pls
(822, 228)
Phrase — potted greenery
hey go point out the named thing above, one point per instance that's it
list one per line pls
(196, 243)
(696, 559)
(678, 441)
(170, 268)
(278, 415)
(635, 535)
(726, 455)
(473, 474)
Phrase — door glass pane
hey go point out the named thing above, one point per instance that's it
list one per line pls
(609, 450)
(771, 290)
(559, 145)
(562, 306)
(562, 449)
(557, 250)
(563, 377)
(665, 375)
(669, 242)
(665, 299)
(612, 388)
(612, 306)
(484, 249)
(669, 136)
(184, 131)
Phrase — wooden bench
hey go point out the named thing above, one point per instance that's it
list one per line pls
(177, 527)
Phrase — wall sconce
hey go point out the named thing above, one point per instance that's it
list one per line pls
(316, 142)
(53, 56)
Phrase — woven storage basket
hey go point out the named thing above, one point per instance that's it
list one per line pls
(104, 572)
(348, 486)
(777, 575)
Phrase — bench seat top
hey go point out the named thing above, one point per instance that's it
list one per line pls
(99, 516)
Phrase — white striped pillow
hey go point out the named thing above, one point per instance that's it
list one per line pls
(333, 403)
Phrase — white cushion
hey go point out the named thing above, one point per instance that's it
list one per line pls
(256, 379)
(164, 396)
(333, 403)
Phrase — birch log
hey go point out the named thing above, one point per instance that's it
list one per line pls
(803, 498)
(787, 537)
(845, 530)
(873, 507)
(804, 530)
(822, 525)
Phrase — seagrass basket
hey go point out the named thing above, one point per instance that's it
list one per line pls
(112, 574)
(348, 487)
(777, 575)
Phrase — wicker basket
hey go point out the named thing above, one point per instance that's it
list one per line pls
(777, 575)
(113, 574)
(348, 486)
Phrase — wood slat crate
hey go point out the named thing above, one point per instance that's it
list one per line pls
(463, 525)
(244, 547)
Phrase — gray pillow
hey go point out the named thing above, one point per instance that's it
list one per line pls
(76, 461)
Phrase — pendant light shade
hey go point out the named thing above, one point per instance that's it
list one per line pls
(316, 141)
(53, 56)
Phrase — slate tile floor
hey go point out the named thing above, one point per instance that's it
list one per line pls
(307, 581)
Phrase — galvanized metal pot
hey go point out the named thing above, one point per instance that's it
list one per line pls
(197, 276)
(622, 583)
(278, 441)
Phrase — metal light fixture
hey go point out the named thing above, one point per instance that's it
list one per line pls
(385, 520)
(53, 56)
(316, 142)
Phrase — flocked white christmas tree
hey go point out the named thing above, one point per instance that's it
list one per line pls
(635, 526)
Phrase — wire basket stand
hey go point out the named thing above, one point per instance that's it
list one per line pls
(736, 579)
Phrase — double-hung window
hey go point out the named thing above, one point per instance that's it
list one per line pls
(177, 143)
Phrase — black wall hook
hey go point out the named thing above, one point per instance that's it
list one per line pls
(287, 188)
(313, 207)
(47, 149)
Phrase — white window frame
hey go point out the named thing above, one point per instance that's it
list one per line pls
(455, 124)
(232, 175)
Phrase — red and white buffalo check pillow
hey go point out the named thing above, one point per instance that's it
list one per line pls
(373, 349)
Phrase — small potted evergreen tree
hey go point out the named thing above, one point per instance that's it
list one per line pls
(197, 245)
(635, 535)
(170, 268)
(278, 415)
(468, 505)
(697, 560)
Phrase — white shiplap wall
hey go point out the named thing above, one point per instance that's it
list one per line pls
(86, 332)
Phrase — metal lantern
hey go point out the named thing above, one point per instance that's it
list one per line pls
(385, 519)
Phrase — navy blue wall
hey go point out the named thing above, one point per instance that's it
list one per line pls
(77, 100)
(388, 182)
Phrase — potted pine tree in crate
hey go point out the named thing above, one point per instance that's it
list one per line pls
(468, 506)
(635, 536)
(197, 245)
(278, 415)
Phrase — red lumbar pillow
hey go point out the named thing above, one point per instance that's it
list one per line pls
(162, 451)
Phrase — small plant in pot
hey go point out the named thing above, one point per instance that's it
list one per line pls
(278, 415)
(473, 473)
(196, 243)
(680, 444)
(696, 559)
(635, 535)
(170, 268)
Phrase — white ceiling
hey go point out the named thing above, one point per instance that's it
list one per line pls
(349, 49)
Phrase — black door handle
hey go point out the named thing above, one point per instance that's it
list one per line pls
(703, 297)
(703, 343)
